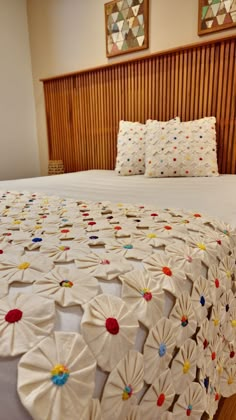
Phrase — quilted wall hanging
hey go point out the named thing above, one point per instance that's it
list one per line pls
(126, 26)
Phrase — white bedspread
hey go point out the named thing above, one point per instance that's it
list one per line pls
(215, 196)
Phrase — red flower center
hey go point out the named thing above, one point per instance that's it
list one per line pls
(117, 227)
(219, 242)
(91, 223)
(1, 251)
(112, 326)
(217, 283)
(213, 355)
(217, 397)
(232, 353)
(197, 215)
(14, 315)
(167, 227)
(65, 231)
(154, 214)
(205, 344)
(161, 400)
(167, 271)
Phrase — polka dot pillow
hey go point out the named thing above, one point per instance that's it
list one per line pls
(181, 149)
(131, 147)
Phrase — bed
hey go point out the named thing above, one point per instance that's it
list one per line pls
(130, 203)
(119, 300)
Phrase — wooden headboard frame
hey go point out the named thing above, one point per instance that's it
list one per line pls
(83, 109)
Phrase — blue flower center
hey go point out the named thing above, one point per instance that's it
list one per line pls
(37, 240)
(202, 300)
(162, 349)
(129, 246)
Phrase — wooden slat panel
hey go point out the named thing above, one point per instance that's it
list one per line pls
(83, 109)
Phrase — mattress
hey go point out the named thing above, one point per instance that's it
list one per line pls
(126, 236)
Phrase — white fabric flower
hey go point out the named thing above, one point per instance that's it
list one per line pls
(215, 318)
(228, 381)
(103, 266)
(184, 367)
(227, 268)
(125, 380)
(63, 252)
(24, 320)
(109, 328)
(158, 349)
(229, 351)
(68, 286)
(204, 336)
(128, 248)
(227, 231)
(8, 250)
(228, 302)
(216, 283)
(191, 403)
(186, 258)
(26, 269)
(201, 299)
(135, 413)
(168, 230)
(159, 396)
(149, 237)
(229, 327)
(202, 249)
(183, 318)
(142, 293)
(51, 374)
(35, 242)
(213, 352)
(166, 270)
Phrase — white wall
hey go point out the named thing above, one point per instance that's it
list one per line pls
(18, 135)
(69, 35)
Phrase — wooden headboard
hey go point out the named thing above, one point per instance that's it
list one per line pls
(83, 109)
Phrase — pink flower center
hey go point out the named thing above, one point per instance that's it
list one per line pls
(105, 262)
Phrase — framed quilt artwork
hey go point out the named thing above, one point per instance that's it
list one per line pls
(216, 15)
(126, 26)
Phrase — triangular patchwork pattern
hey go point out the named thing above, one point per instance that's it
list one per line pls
(215, 13)
(125, 25)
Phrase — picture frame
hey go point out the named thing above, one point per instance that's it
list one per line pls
(216, 15)
(126, 26)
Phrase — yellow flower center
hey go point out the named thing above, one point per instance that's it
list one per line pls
(201, 246)
(37, 226)
(230, 380)
(216, 322)
(23, 266)
(151, 235)
(16, 222)
(233, 322)
(228, 274)
(186, 366)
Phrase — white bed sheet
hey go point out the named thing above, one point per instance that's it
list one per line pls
(214, 196)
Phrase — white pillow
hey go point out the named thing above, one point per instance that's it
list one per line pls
(181, 149)
(131, 147)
